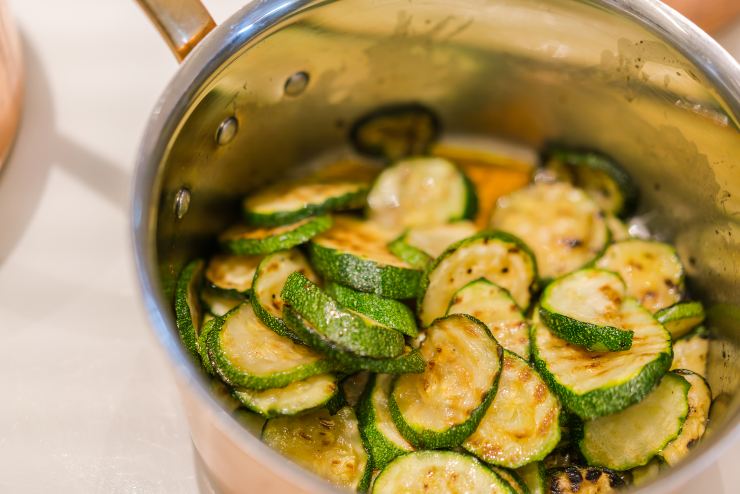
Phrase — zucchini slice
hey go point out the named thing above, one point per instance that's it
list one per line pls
(438, 471)
(232, 275)
(534, 477)
(494, 307)
(219, 304)
(601, 177)
(210, 324)
(631, 437)
(585, 308)
(644, 474)
(250, 240)
(292, 202)
(410, 361)
(353, 387)
(700, 399)
(421, 245)
(344, 328)
(248, 354)
(385, 311)
(383, 441)
(679, 319)
(328, 445)
(563, 226)
(691, 351)
(269, 280)
(618, 230)
(295, 398)
(355, 253)
(522, 424)
(651, 270)
(188, 312)
(512, 478)
(395, 131)
(496, 256)
(442, 406)
(585, 480)
(592, 384)
(423, 191)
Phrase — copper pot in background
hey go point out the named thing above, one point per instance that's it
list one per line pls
(630, 77)
(11, 81)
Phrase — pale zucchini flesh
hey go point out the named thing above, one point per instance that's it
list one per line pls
(679, 319)
(651, 270)
(328, 445)
(290, 202)
(422, 191)
(522, 424)
(585, 480)
(699, 399)
(495, 256)
(383, 441)
(534, 477)
(443, 405)
(219, 304)
(564, 228)
(631, 437)
(436, 472)
(421, 245)
(232, 273)
(691, 351)
(295, 398)
(248, 354)
(269, 280)
(495, 308)
(355, 253)
(353, 386)
(585, 308)
(592, 384)
(255, 240)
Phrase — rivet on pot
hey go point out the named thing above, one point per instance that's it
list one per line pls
(296, 83)
(227, 130)
(182, 202)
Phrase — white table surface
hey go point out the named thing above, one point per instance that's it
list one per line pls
(88, 404)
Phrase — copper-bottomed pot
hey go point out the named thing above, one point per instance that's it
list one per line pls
(630, 77)
(11, 81)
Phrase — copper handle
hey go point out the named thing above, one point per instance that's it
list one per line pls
(182, 23)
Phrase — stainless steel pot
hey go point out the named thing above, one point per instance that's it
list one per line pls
(280, 81)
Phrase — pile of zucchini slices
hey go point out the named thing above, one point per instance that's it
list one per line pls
(395, 341)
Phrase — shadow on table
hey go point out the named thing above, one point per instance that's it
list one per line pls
(38, 147)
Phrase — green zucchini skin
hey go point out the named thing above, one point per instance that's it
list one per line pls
(381, 448)
(439, 471)
(642, 432)
(326, 394)
(364, 275)
(242, 378)
(511, 477)
(594, 160)
(210, 326)
(679, 319)
(238, 241)
(344, 202)
(188, 313)
(409, 254)
(602, 401)
(455, 435)
(410, 362)
(386, 311)
(522, 299)
(337, 324)
(594, 337)
(396, 131)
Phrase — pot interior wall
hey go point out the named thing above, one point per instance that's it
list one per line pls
(531, 71)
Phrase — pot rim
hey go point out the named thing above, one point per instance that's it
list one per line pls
(244, 26)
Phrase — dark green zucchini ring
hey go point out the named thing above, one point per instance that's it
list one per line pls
(293, 399)
(396, 131)
(188, 312)
(248, 240)
(599, 175)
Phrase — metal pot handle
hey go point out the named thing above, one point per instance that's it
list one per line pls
(182, 23)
